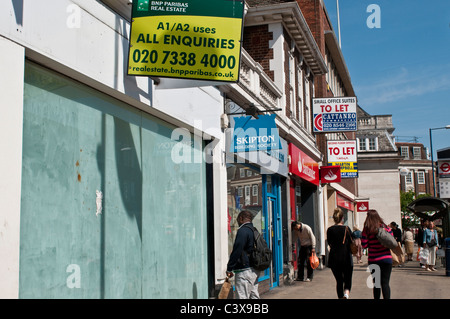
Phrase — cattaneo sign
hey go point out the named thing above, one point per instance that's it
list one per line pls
(190, 39)
(337, 114)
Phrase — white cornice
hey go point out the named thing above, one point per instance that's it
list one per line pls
(290, 15)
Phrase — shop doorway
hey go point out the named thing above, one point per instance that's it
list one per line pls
(272, 194)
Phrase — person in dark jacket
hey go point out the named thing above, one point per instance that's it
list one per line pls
(396, 231)
(246, 280)
(340, 259)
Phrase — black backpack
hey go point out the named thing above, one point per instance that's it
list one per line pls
(261, 257)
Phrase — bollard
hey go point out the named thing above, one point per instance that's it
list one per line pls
(447, 256)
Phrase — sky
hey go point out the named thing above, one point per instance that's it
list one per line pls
(398, 57)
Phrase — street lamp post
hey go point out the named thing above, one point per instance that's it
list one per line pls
(432, 157)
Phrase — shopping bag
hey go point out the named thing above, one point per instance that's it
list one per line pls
(423, 256)
(225, 290)
(314, 261)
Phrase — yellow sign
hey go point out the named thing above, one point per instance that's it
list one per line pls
(348, 169)
(183, 46)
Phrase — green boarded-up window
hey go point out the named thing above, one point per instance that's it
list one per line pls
(149, 238)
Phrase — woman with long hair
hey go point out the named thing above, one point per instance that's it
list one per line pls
(379, 255)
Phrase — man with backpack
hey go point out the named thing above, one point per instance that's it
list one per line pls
(246, 280)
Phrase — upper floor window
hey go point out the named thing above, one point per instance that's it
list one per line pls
(362, 144)
(372, 144)
(409, 179)
(404, 151)
(307, 105)
(367, 144)
(421, 177)
(417, 153)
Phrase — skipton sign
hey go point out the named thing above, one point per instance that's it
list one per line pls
(255, 134)
(335, 114)
(190, 39)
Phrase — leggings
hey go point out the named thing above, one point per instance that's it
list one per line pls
(382, 275)
(343, 277)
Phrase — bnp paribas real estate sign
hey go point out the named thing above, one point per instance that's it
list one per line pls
(191, 39)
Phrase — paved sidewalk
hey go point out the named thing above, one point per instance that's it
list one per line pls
(407, 282)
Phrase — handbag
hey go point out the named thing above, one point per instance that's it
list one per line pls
(314, 261)
(353, 246)
(225, 290)
(398, 256)
(386, 239)
(432, 242)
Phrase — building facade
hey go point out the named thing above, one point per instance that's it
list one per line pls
(335, 83)
(278, 39)
(119, 186)
(108, 186)
(415, 168)
(378, 166)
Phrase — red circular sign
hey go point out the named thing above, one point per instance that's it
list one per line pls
(445, 167)
(318, 122)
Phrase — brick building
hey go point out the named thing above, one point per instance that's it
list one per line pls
(302, 80)
(335, 83)
(415, 168)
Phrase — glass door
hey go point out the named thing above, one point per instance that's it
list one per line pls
(274, 238)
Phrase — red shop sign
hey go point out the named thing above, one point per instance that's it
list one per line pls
(330, 174)
(303, 166)
(345, 203)
(362, 206)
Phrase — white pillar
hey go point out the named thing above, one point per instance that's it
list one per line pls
(12, 57)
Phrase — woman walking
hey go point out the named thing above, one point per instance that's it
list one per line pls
(408, 240)
(379, 255)
(430, 242)
(340, 259)
(357, 238)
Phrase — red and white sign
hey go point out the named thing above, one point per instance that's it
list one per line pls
(362, 206)
(330, 174)
(444, 169)
(303, 166)
(345, 203)
(342, 151)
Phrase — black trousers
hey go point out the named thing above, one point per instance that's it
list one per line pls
(303, 255)
(381, 284)
(343, 275)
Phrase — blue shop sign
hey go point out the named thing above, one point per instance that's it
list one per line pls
(255, 134)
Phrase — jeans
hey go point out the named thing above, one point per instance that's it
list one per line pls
(304, 254)
(246, 284)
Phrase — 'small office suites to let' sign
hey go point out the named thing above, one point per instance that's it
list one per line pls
(193, 39)
(336, 114)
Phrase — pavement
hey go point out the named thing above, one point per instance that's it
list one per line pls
(407, 282)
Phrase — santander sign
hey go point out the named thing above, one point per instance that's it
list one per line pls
(303, 166)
